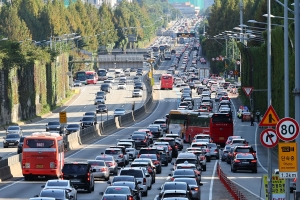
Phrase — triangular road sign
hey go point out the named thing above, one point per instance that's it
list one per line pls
(248, 90)
(270, 118)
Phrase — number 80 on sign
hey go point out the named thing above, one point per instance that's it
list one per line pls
(287, 129)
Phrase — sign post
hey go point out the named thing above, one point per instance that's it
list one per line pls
(63, 119)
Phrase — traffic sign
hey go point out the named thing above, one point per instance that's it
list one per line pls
(270, 118)
(63, 117)
(236, 72)
(248, 90)
(287, 129)
(231, 72)
(277, 189)
(287, 154)
(268, 138)
(288, 175)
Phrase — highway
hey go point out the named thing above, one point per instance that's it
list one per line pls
(168, 100)
(84, 102)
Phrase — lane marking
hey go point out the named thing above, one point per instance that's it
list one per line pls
(212, 181)
(255, 144)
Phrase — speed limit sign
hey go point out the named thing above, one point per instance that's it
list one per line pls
(287, 129)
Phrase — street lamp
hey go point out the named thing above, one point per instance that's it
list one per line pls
(256, 22)
(272, 16)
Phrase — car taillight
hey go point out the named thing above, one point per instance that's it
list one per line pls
(196, 189)
(254, 161)
(145, 141)
(144, 181)
(130, 197)
(88, 176)
(207, 150)
(121, 155)
(139, 155)
(176, 146)
(202, 157)
(237, 161)
(254, 154)
(216, 150)
(170, 148)
(150, 170)
(103, 169)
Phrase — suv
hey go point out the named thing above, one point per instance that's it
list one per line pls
(172, 143)
(117, 154)
(20, 145)
(123, 151)
(155, 130)
(105, 87)
(80, 174)
(244, 149)
(88, 121)
(141, 175)
(138, 85)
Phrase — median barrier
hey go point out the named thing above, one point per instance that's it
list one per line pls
(125, 119)
(73, 141)
(139, 112)
(108, 126)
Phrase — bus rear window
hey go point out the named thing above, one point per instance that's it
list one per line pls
(222, 118)
(39, 143)
(167, 77)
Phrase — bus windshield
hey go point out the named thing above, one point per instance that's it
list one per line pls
(224, 118)
(177, 119)
(90, 76)
(102, 72)
(81, 76)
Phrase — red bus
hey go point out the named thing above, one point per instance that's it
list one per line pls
(91, 77)
(166, 81)
(221, 127)
(197, 123)
(43, 155)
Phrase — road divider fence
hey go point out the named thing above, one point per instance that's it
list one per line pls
(12, 166)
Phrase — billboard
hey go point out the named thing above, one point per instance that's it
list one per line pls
(185, 34)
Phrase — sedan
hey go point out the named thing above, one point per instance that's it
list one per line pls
(56, 193)
(101, 108)
(110, 161)
(61, 184)
(54, 126)
(99, 100)
(100, 169)
(71, 128)
(244, 161)
(11, 139)
(77, 83)
(120, 190)
(186, 173)
(195, 188)
(14, 129)
(121, 86)
(133, 186)
(137, 93)
(119, 112)
(155, 161)
(175, 186)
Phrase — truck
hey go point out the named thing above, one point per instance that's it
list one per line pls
(203, 73)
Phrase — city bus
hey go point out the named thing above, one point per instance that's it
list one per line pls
(220, 127)
(91, 77)
(43, 155)
(102, 74)
(197, 123)
(81, 76)
(176, 122)
(166, 81)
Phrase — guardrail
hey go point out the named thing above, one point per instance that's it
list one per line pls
(12, 166)
(230, 186)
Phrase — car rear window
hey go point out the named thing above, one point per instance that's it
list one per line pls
(171, 142)
(113, 152)
(178, 186)
(183, 172)
(139, 165)
(135, 173)
(148, 151)
(243, 150)
(181, 160)
(117, 190)
(57, 183)
(75, 168)
(123, 179)
(167, 195)
(97, 163)
(151, 156)
(50, 193)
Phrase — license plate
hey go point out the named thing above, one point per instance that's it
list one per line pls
(39, 166)
(11, 143)
(245, 162)
(221, 138)
(75, 180)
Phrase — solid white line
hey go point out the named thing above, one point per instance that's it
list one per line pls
(255, 144)
(212, 181)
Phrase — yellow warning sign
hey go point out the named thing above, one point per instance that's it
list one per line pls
(270, 118)
(287, 157)
(63, 117)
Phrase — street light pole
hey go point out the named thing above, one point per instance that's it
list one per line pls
(269, 96)
(241, 18)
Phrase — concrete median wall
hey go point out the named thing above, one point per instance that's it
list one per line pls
(11, 167)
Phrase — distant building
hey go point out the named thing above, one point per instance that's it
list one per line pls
(185, 8)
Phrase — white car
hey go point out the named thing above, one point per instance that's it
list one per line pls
(137, 93)
(121, 86)
(119, 112)
(77, 83)
(61, 184)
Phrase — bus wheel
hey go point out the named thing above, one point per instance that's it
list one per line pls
(26, 178)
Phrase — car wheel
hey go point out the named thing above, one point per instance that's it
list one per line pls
(89, 189)
(233, 170)
(106, 178)
(204, 167)
(93, 188)
(145, 193)
(166, 164)
(254, 171)
(149, 187)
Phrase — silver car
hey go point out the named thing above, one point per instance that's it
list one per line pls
(214, 150)
(57, 193)
(100, 169)
(109, 160)
(99, 100)
(117, 154)
(61, 184)
(77, 83)
(15, 130)
(195, 188)
(137, 93)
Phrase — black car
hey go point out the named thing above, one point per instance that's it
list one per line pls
(101, 108)
(172, 143)
(138, 85)
(11, 139)
(20, 145)
(156, 132)
(140, 140)
(101, 93)
(71, 128)
(244, 161)
(139, 73)
(175, 186)
(134, 187)
(88, 121)
(79, 173)
(55, 126)
(105, 87)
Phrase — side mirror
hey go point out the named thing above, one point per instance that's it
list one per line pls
(101, 193)
(169, 174)
(159, 188)
(108, 182)
(139, 182)
(36, 195)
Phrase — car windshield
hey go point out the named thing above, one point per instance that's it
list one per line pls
(57, 183)
(75, 168)
(12, 136)
(49, 193)
(53, 123)
(120, 109)
(105, 158)
(138, 136)
(123, 179)
(13, 128)
(73, 126)
(136, 90)
(97, 163)
(111, 151)
(183, 172)
(182, 160)
(129, 184)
